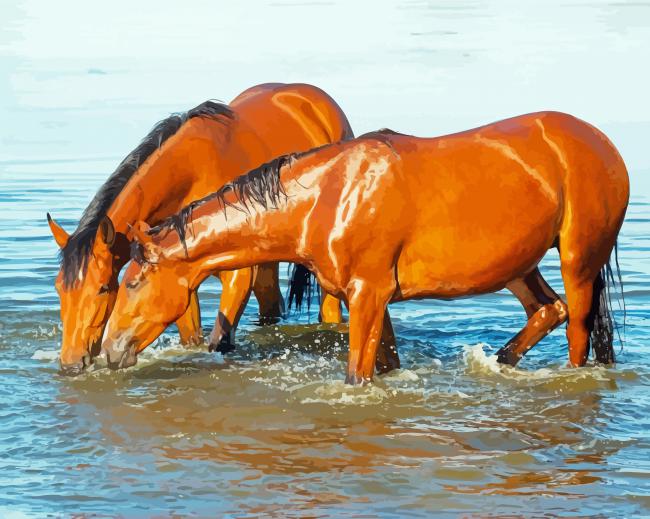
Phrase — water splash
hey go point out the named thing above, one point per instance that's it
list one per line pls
(46, 355)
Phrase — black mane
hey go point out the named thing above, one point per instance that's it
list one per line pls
(74, 256)
(260, 186)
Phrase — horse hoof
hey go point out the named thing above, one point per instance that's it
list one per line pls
(266, 320)
(381, 368)
(357, 380)
(191, 342)
(505, 356)
(223, 346)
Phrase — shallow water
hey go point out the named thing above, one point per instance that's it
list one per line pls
(271, 430)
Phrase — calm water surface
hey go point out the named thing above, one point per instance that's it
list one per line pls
(271, 430)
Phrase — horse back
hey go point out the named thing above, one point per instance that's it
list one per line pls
(485, 204)
(292, 117)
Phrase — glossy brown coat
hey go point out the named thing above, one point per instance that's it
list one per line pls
(388, 217)
(204, 154)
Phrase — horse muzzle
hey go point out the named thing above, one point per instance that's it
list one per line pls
(120, 354)
(75, 369)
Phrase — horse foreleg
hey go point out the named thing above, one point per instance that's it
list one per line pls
(189, 324)
(545, 311)
(387, 356)
(235, 291)
(266, 286)
(367, 308)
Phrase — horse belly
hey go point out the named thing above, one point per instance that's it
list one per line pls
(478, 244)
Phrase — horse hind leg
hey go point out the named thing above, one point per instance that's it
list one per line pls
(590, 323)
(545, 311)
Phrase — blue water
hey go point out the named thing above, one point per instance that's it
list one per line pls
(271, 431)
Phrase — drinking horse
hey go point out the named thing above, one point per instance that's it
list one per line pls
(389, 217)
(183, 158)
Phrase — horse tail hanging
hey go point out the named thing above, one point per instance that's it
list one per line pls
(301, 286)
(600, 321)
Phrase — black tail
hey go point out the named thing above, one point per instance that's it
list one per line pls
(301, 283)
(600, 322)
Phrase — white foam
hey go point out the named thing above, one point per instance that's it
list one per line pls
(434, 366)
(338, 392)
(7, 513)
(49, 355)
(477, 361)
(401, 375)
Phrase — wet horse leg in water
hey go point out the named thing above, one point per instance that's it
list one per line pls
(263, 281)
(387, 356)
(368, 308)
(266, 287)
(545, 311)
(189, 324)
(236, 290)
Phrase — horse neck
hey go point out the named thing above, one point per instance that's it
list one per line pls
(231, 238)
(201, 157)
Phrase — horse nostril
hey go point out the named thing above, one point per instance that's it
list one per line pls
(86, 361)
(113, 361)
(126, 360)
(120, 356)
(72, 370)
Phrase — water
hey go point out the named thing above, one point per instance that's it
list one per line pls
(271, 431)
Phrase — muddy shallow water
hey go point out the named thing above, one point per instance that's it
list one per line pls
(271, 430)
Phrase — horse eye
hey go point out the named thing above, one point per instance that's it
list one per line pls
(132, 284)
(103, 289)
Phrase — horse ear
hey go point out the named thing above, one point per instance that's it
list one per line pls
(139, 232)
(60, 235)
(106, 231)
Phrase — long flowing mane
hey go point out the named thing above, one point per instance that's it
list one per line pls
(74, 256)
(261, 186)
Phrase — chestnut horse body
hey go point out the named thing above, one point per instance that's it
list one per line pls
(184, 158)
(389, 217)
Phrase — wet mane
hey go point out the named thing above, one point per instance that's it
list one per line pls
(74, 256)
(261, 186)
(379, 134)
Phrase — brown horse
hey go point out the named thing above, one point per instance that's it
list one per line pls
(389, 217)
(184, 158)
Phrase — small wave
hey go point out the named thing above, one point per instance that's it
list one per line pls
(46, 332)
(338, 392)
(401, 375)
(477, 361)
(49, 355)
(170, 347)
(561, 379)
(8, 513)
